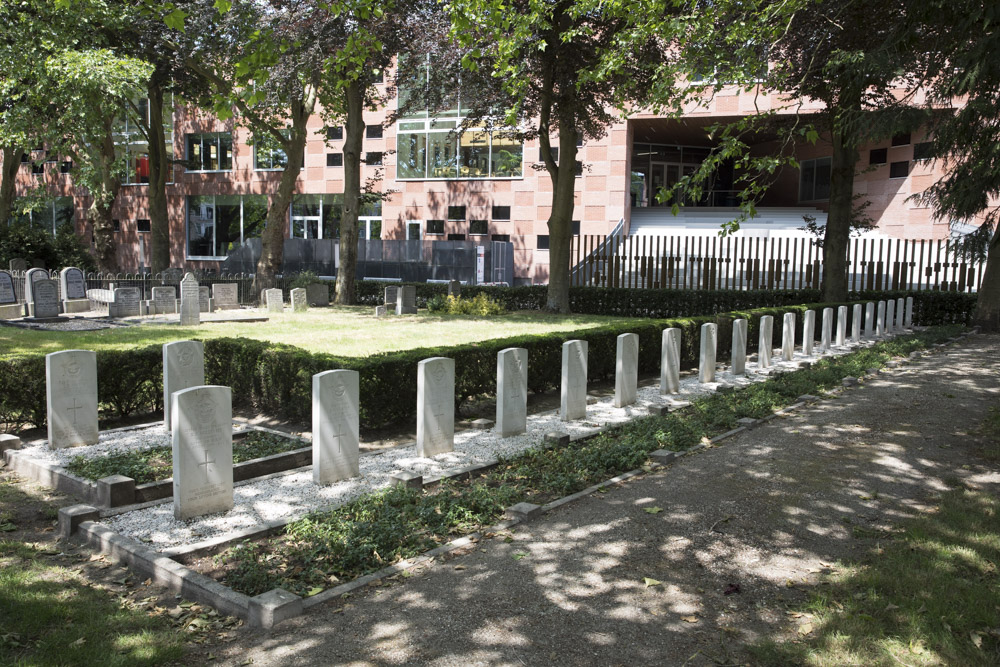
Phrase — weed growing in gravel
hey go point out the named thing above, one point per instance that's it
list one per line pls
(393, 524)
(156, 463)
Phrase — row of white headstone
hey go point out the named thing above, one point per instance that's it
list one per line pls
(199, 416)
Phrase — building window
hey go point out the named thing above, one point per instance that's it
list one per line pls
(25, 158)
(923, 151)
(209, 152)
(335, 159)
(902, 139)
(217, 224)
(479, 227)
(143, 226)
(501, 213)
(373, 132)
(504, 238)
(378, 75)
(456, 213)
(899, 169)
(456, 237)
(335, 133)
(435, 226)
(268, 154)
(555, 154)
(48, 215)
(575, 227)
(814, 179)
(878, 156)
(38, 168)
(373, 158)
(413, 230)
(66, 167)
(131, 138)
(542, 242)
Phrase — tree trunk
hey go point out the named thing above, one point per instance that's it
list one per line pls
(353, 134)
(561, 218)
(103, 200)
(987, 315)
(272, 252)
(159, 170)
(838, 222)
(11, 163)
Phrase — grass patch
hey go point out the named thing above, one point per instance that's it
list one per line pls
(156, 463)
(332, 330)
(384, 527)
(927, 596)
(53, 617)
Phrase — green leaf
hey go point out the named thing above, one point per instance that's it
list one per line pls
(175, 19)
(653, 510)
(651, 582)
(519, 556)
(314, 591)
(223, 6)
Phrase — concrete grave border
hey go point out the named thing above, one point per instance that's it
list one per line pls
(269, 609)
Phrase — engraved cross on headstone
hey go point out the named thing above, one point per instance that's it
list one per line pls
(339, 429)
(207, 462)
(76, 406)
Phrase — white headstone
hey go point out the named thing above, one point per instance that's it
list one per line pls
(788, 337)
(274, 300)
(826, 334)
(856, 324)
(626, 369)
(164, 299)
(190, 301)
(435, 406)
(706, 361)
(670, 361)
(890, 317)
(30, 278)
(226, 296)
(841, 326)
(739, 352)
(909, 312)
(183, 368)
(869, 319)
(7, 293)
(202, 438)
(573, 389)
(335, 440)
(808, 332)
(71, 398)
(406, 302)
(299, 302)
(900, 305)
(126, 302)
(45, 298)
(512, 391)
(764, 341)
(880, 319)
(72, 283)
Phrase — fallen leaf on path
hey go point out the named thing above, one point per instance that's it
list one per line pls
(79, 642)
(690, 619)
(459, 567)
(519, 556)
(653, 510)
(805, 629)
(651, 582)
(976, 638)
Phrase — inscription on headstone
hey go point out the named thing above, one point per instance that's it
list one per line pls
(126, 303)
(670, 361)
(391, 296)
(226, 296)
(45, 298)
(73, 283)
(706, 361)
(626, 369)
(274, 300)
(183, 368)
(512, 391)
(71, 398)
(164, 299)
(318, 294)
(190, 301)
(202, 439)
(573, 389)
(764, 341)
(435, 406)
(7, 293)
(335, 426)
(739, 355)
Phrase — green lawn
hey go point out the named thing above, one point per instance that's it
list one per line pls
(351, 331)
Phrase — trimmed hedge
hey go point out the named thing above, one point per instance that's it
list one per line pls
(277, 379)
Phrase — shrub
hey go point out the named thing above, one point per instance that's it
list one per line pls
(481, 305)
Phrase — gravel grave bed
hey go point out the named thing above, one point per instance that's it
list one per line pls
(291, 495)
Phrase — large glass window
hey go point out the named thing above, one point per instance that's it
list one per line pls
(217, 224)
(319, 216)
(210, 152)
(133, 141)
(268, 153)
(48, 215)
(814, 179)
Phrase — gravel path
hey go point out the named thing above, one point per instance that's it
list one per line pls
(292, 495)
(765, 512)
